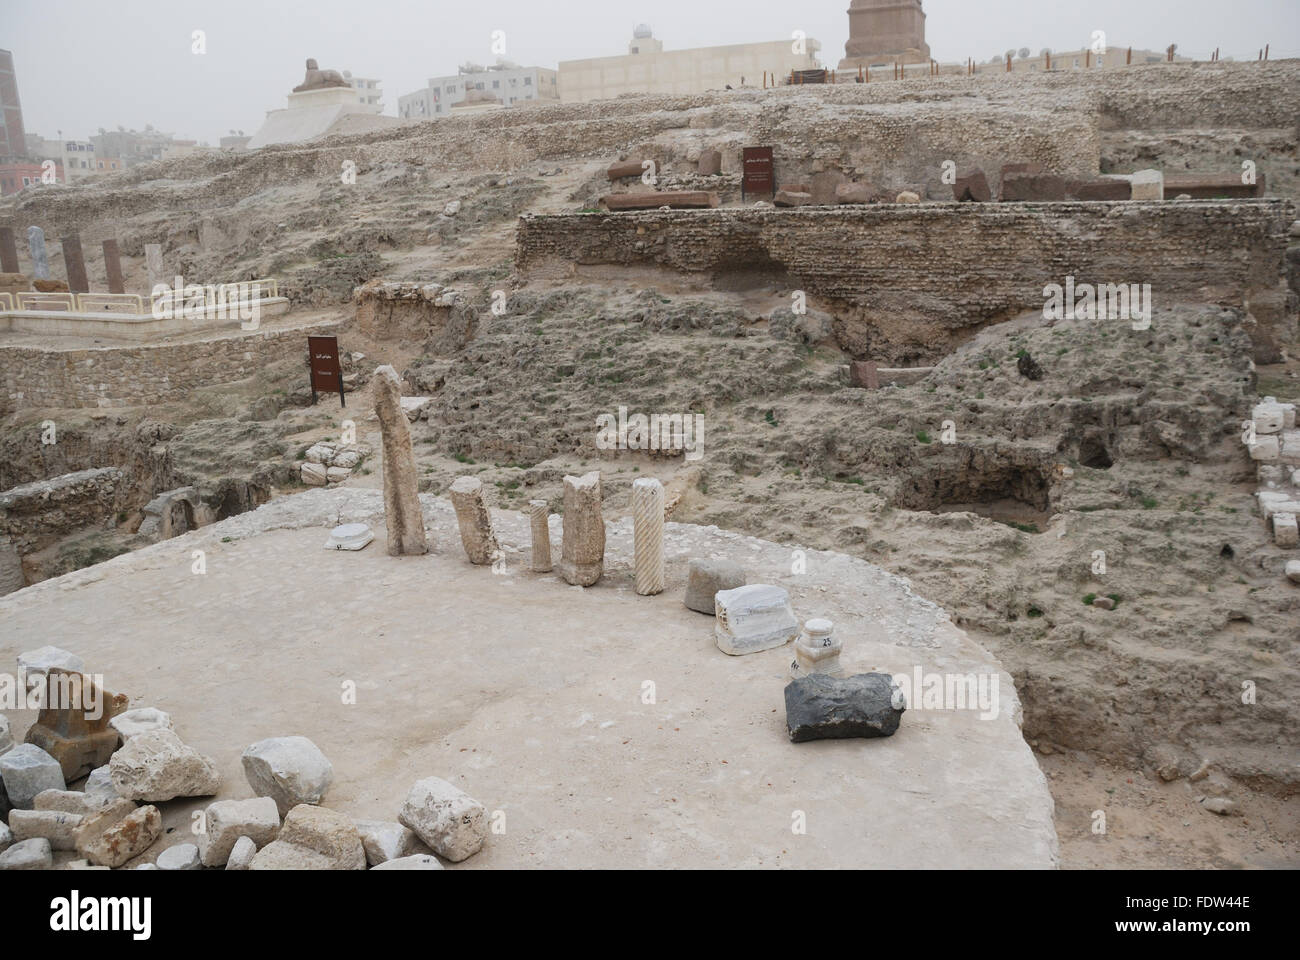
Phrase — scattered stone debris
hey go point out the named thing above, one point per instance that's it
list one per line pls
(313, 838)
(26, 771)
(227, 822)
(386, 840)
(289, 770)
(157, 766)
(452, 823)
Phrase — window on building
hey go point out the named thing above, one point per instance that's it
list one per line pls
(478, 86)
(528, 81)
(496, 84)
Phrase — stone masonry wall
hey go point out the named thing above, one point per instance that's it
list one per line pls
(905, 280)
(73, 501)
(128, 376)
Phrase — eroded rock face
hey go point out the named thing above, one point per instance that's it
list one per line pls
(157, 766)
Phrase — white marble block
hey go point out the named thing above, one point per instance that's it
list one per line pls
(817, 650)
(754, 617)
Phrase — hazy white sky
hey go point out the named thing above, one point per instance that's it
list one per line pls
(86, 64)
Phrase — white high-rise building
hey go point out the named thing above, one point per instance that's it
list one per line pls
(475, 87)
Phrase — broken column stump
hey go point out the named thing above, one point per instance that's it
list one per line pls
(72, 725)
(539, 514)
(402, 513)
(474, 520)
(582, 552)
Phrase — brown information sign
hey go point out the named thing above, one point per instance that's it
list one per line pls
(326, 376)
(759, 176)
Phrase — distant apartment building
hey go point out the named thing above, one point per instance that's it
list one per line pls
(235, 141)
(135, 146)
(13, 140)
(76, 157)
(475, 88)
(648, 68)
(19, 176)
(368, 90)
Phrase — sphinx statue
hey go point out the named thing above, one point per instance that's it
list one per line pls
(318, 79)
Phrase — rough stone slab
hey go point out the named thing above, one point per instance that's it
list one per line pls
(123, 839)
(100, 784)
(754, 617)
(37, 663)
(818, 707)
(313, 838)
(56, 826)
(157, 766)
(241, 854)
(385, 840)
(32, 854)
(704, 578)
(451, 822)
(1286, 532)
(1293, 571)
(140, 720)
(183, 856)
(419, 861)
(6, 837)
(70, 801)
(289, 770)
(28, 770)
(227, 821)
(792, 198)
(6, 738)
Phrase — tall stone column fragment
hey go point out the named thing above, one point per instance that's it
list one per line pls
(74, 261)
(153, 264)
(402, 513)
(474, 520)
(113, 267)
(8, 251)
(582, 552)
(539, 514)
(40, 257)
(648, 534)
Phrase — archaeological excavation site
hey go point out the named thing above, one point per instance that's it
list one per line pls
(891, 465)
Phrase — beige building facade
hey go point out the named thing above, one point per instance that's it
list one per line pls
(648, 68)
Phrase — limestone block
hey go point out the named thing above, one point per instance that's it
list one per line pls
(140, 720)
(710, 163)
(347, 459)
(241, 854)
(226, 821)
(328, 834)
(452, 823)
(648, 535)
(1289, 447)
(1285, 531)
(857, 193)
(539, 515)
(122, 839)
(908, 196)
(1268, 417)
(753, 618)
(70, 801)
(386, 840)
(32, 854)
(818, 707)
(73, 725)
(1293, 571)
(792, 198)
(1148, 185)
(183, 856)
(6, 837)
(420, 861)
(27, 770)
(402, 513)
(337, 474)
(289, 770)
(157, 766)
(817, 650)
(321, 453)
(6, 738)
(1266, 448)
(315, 475)
(475, 522)
(100, 784)
(56, 826)
(37, 663)
(1275, 501)
(582, 552)
(705, 578)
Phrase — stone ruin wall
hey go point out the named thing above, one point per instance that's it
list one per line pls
(908, 281)
(36, 511)
(34, 378)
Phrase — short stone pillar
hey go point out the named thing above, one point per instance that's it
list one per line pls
(539, 513)
(474, 520)
(153, 264)
(582, 551)
(40, 256)
(8, 251)
(74, 261)
(648, 534)
(113, 267)
(817, 650)
(402, 513)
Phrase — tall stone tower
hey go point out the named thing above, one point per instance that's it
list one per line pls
(885, 31)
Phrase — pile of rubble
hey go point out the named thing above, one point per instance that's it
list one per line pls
(327, 462)
(133, 761)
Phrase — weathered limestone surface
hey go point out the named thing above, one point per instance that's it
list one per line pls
(227, 821)
(289, 770)
(754, 617)
(157, 766)
(386, 840)
(313, 838)
(182, 856)
(648, 530)
(34, 854)
(402, 511)
(419, 861)
(56, 826)
(241, 854)
(475, 524)
(122, 832)
(26, 771)
(131, 723)
(450, 821)
(539, 514)
(582, 551)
